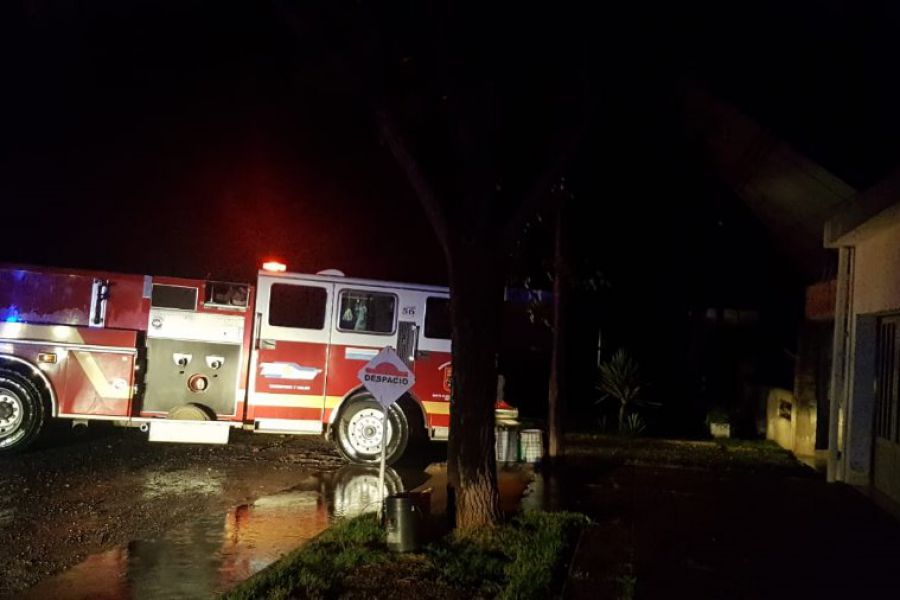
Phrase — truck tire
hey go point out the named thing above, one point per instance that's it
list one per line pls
(358, 431)
(22, 412)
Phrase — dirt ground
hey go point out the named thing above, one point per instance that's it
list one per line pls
(707, 520)
(71, 497)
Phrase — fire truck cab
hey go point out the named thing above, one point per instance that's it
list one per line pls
(314, 333)
(187, 360)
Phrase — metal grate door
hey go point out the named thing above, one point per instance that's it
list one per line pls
(887, 385)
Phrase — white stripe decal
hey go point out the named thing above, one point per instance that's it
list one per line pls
(287, 400)
(360, 353)
(294, 400)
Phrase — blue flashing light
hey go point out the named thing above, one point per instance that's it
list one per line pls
(10, 315)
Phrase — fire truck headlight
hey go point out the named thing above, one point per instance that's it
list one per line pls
(198, 383)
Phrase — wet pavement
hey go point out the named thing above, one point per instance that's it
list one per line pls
(63, 502)
(208, 554)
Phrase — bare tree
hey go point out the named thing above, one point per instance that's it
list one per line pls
(445, 116)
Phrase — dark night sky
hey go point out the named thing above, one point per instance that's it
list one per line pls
(194, 138)
(181, 140)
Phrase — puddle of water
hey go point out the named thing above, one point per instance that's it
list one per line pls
(211, 553)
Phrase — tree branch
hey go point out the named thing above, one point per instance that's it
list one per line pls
(430, 203)
(565, 147)
(538, 194)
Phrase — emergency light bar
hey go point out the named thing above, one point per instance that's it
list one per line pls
(274, 266)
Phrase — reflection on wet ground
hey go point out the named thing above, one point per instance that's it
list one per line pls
(211, 553)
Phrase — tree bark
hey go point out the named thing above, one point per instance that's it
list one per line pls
(476, 297)
(556, 395)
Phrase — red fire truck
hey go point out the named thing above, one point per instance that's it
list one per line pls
(187, 360)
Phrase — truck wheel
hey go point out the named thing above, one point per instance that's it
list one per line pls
(359, 431)
(21, 412)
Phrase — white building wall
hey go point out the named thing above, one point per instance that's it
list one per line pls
(874, 290)
(877, 272)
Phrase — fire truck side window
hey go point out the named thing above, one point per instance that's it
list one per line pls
(437, 318)
(174, 296)
(226, 294)
(297, 306)
(367, 312)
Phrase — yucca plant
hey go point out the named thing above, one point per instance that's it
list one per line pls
(620, 380)
(634, 425)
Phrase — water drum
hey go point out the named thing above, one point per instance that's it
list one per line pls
(531, 445)
(512, 451)
(501, 444)
(507, 445)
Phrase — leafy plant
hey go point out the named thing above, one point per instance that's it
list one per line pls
(620, 380)
(634, 424)
(627, 585)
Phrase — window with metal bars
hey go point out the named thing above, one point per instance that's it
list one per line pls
(887, 379)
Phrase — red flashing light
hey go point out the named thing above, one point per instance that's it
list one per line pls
(273, 266)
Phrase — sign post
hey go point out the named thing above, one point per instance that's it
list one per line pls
(387, 378)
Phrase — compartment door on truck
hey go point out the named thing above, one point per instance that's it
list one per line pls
(291, 356)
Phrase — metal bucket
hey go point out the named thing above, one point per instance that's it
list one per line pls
(404, 522)
(531, 445)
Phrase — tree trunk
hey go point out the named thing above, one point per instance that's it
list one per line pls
(622, 417)
(476, 297)
(556, 395)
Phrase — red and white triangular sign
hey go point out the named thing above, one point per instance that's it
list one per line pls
(387, 377)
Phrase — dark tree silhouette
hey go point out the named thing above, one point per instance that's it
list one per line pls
(481, 129)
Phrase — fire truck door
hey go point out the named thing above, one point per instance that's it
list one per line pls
(291, 353)
(434, 370)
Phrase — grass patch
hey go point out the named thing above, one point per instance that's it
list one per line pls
(521, 559)
(317, 569)
(516, 560)
(728, 454)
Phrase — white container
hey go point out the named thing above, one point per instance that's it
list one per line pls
(507, 444)
(720, 430)
(531, 445)
(512, 450)
(501, 445)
